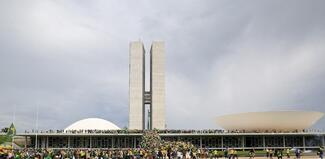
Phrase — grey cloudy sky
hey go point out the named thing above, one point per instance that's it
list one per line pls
(70, 58)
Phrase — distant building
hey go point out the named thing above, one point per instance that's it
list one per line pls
(270, 121)
(138, 96)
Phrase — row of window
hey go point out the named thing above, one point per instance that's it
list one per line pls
(206, 142)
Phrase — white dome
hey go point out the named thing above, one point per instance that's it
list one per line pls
(92, 124)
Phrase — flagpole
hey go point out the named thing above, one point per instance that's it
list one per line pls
(36, 142)
(13, 121)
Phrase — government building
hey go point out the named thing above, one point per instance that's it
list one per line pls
(154, 96)
(258, 130)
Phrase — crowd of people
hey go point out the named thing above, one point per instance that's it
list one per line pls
(112, 154)
(168, 131)
(286, 153)
(281, 153)
(7, 153)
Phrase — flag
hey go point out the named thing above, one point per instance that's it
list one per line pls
(12, 130)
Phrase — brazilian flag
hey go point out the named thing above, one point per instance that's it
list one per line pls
(11, 132)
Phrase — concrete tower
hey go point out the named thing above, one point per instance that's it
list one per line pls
(155, 97)
(136, 85)
(157, 85)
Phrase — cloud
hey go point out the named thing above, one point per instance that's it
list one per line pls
(70, 58)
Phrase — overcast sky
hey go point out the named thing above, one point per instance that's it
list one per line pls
(69, 59)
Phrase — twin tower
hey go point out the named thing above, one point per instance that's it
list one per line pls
(153, 98)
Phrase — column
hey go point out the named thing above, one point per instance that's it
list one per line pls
(47, 141)
(68, 141)
(323, 140)
(36, 142)
(243, 142)
(222, 142)
(284, 141)
(43, 142)
(264, 146)
(125, 142)
(25, 141)
(91, 142)
(304, 142)
(201, 142)
(112, 142)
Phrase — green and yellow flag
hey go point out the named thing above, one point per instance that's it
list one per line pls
(12, 130)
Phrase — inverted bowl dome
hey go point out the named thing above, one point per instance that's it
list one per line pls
(273, 120)
(92, 124)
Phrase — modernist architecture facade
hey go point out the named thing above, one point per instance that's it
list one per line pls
(201, 139)
(154, 98)
(99, 133)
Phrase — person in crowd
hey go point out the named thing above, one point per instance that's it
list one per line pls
(215, 154)
(267, 153)
(279, 154)
(235, 155)
(251, 153)
(179, 155)
(298, 153)
(320, 152)
(141, 153)
(231, 154)
(271, 152)
(169, 153)
(130, 154)
(288, 153)
(226, 153)
(187, 155)
(10, 155)
(159, 154)
(173, 154)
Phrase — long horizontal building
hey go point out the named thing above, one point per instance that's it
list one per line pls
(212, 139)
(99, 133)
